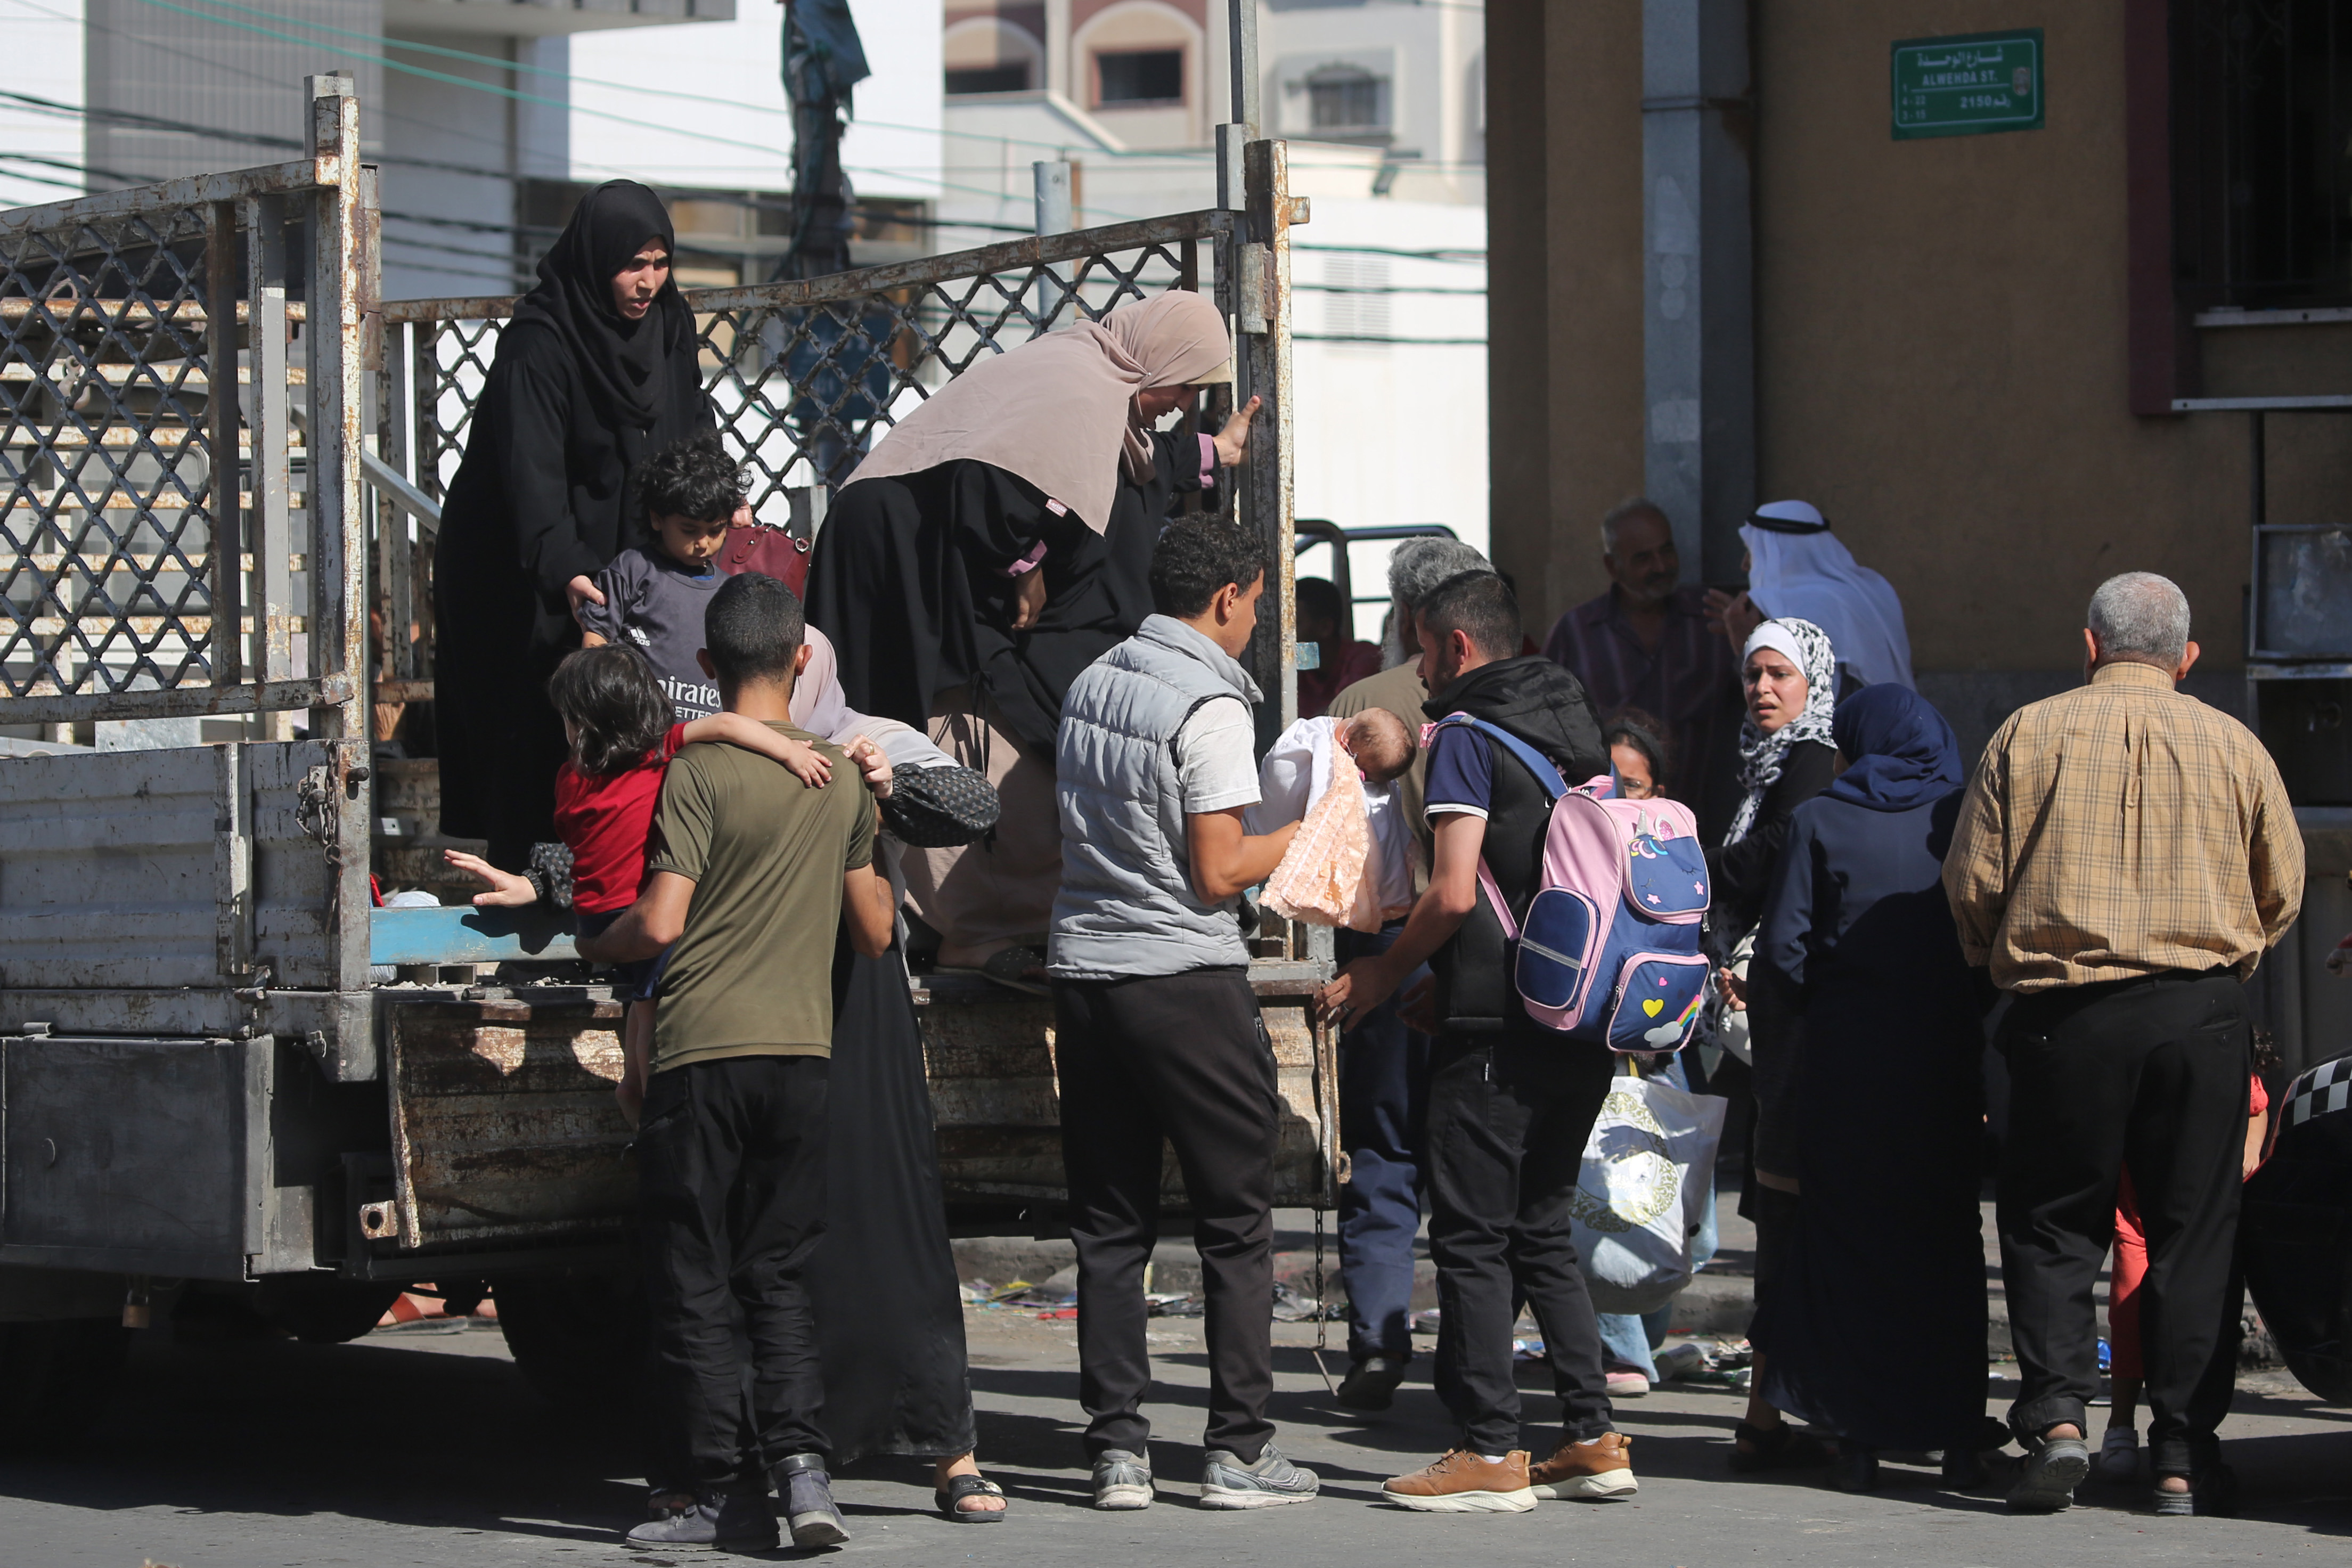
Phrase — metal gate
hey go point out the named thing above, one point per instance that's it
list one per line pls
(180, 422)
(807, 374)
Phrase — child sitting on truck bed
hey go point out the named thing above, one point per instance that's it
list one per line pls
(653, 598)
(620, 726)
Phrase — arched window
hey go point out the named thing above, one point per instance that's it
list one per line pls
(1139, 54)
(986, 54)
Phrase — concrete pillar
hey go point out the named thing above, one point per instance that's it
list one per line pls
(1564, 351)
(1698, 279)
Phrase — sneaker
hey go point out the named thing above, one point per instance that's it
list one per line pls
(1627, 1385)
(807, 1496)
(1122, 1480)
(1599, 1471)
(722, 1523)
(1462, 1482)
(1226, 1482)
(2212, 1493)
(1372, 1383)
(2118, 1460)
(2053, 1467)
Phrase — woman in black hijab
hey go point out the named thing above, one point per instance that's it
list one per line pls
(1858, 971)
(595, 373)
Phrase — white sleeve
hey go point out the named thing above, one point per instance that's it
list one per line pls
(1216, 760)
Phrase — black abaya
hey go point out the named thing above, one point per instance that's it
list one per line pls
(1887, 1120)
(575, 401)
(889, 1318)
(908, 582)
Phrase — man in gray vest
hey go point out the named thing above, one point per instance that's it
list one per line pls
(1157, 1030)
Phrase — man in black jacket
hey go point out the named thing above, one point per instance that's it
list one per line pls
(1511, 1104)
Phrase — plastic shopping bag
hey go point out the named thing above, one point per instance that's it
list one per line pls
(1323, 869)
(1642, 1195)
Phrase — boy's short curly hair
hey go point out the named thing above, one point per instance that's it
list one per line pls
(1199, 556)
(694, 478)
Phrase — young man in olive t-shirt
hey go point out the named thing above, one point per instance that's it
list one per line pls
(752, 876)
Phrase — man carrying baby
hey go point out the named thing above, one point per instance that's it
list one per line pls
(1157, 1031)
(752, 876)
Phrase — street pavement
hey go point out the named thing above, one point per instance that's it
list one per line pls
(423, 1445)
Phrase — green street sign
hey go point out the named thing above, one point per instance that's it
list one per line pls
(1969, 85)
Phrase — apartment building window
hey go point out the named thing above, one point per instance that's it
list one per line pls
(1013, 77)
(2261, 152)
(1347, 100)
(1132, 78)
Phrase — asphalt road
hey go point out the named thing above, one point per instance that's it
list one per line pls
(424, 1447)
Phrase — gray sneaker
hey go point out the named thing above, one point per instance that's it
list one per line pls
(711, 1523)
(1226, 1482)
(1122, 1480)
(2054, 1468)
(807, 1496)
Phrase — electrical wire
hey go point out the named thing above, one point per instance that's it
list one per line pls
(519, 96)
(260, 139)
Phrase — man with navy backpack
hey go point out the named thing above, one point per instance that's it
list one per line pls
(1510, 1103)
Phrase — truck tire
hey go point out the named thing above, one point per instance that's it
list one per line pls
(56, 1379)
(319, 1308)
(578, 1340)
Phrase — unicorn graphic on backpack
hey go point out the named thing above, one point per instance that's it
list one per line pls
(1609, 949)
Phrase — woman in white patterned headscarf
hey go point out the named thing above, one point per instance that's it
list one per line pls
(1788, 673)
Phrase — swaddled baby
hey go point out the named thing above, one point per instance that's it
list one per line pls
(1297, 773)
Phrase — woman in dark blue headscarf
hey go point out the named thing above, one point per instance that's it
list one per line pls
(1878, 1333)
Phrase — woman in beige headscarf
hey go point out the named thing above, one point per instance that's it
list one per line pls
(992, 546)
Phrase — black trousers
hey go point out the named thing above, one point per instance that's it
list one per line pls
(732, 1162)
(2151, 1073)
(1508, 1124)
(1182, 1057)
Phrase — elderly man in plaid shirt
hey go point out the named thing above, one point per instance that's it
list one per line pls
(2123, 856)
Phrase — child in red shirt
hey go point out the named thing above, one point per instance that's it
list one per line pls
(618, 721)
(2119, 1451)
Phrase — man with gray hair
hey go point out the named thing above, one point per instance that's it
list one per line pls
(1646, 644)
(1383, 1066)
(2123, 857)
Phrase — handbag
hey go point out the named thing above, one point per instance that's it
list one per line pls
(938, 809)
(1642, 1195)
(776, 551)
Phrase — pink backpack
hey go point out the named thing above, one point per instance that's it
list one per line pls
(1608, 950)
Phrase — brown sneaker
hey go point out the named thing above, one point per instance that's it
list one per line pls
(1598, 1471)
(1462, 1482)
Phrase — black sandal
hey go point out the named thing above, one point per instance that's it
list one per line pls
(961, 1487)
(1778, 1448)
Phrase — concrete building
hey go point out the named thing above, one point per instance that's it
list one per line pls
(1966, 348)
(1381, 103)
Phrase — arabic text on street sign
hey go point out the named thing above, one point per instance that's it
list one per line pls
(1969, 85)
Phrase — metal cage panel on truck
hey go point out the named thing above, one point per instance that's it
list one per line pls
(180, 390)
